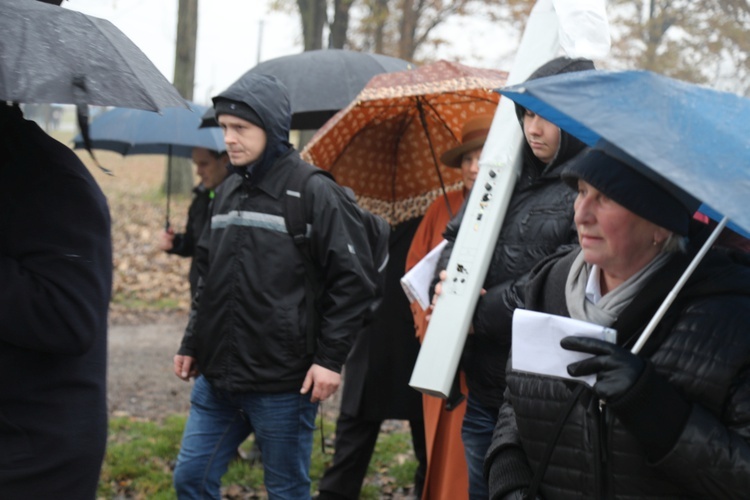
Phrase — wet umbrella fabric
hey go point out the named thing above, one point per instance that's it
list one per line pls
(322, 82)
(690, 138)
(49, 54)
(174, 132)
(385, 144)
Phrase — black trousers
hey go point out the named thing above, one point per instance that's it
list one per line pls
(355, 443)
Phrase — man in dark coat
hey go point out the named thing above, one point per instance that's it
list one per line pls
(247, 334)
(56, 280)
(539, 219)
(211, 167)
(376, 383)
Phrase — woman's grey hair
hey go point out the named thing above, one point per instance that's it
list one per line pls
(675, 244)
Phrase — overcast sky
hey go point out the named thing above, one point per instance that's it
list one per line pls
(228, 36)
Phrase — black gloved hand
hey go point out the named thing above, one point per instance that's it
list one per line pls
(616, 368)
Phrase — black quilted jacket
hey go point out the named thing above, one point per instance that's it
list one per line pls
(701, 349)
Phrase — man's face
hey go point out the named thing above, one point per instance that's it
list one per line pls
(210, 169)
(543, 137)
(245, 141)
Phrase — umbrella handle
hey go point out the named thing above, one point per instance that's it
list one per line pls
(169, 184)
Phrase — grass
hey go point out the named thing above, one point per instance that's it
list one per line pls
(141, 456)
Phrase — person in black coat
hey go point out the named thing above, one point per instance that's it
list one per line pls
(539, 219)
(376, 383)
(56, 280)
(673, 420)
(211, 167)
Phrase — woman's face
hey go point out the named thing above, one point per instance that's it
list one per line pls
(543, 136)
(470, 167)
(620, 242)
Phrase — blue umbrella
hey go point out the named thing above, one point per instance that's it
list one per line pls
(691, 139)
(173, 132)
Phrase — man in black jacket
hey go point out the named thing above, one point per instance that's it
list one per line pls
(55, 285)
(247, 334)
(211, 167)
(539, 219)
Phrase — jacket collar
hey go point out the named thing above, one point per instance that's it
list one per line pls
(274, 181)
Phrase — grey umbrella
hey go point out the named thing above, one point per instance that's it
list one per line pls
(49, 54)
(322, 82)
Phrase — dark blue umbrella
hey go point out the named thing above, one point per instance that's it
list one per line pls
(173, 132)
(691, 139)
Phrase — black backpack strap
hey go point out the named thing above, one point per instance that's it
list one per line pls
(295, 217)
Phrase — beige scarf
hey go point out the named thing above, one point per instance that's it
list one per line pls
(606, 311)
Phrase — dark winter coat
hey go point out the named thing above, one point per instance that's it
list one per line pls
(377, 373)
(248, 324)
(693, 400)
(55, 285)
(539, 220)
(184, 243)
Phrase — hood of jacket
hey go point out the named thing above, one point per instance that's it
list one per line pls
(569, 145)
(269, 98)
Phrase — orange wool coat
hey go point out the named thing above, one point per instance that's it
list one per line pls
(447, 473)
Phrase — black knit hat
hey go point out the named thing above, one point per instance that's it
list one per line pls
(626, 186)
(556, 66)
(239, 109)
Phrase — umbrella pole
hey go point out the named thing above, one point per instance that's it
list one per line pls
(423, 119)
(678, 286)
(169, 183)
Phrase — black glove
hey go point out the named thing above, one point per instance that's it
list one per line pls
(616, 368)
(652, 409)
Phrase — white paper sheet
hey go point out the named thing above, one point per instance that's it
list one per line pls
(416, 283)
(536, 343)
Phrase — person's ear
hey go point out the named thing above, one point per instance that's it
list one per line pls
(661, 235)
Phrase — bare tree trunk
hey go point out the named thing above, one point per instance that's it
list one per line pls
(407, 30)
(380, 14)
(313, 14)
(340, 24)
(181, 179)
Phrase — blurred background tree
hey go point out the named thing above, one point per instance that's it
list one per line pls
(181, 178)
(701, 41)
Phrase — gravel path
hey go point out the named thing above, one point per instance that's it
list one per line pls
(141, 383)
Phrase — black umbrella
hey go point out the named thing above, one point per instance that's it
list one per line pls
(322, 82)
(49, 54)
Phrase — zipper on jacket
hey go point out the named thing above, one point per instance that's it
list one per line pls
(603, 449)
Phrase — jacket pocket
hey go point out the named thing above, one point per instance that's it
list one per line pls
(14, 443)
(292, 335)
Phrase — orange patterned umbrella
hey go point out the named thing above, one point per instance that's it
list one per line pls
(385, 145)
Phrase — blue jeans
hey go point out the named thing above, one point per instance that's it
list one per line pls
(219, 422)
(476, 433)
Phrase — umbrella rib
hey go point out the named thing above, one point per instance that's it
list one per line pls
(423, 119)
